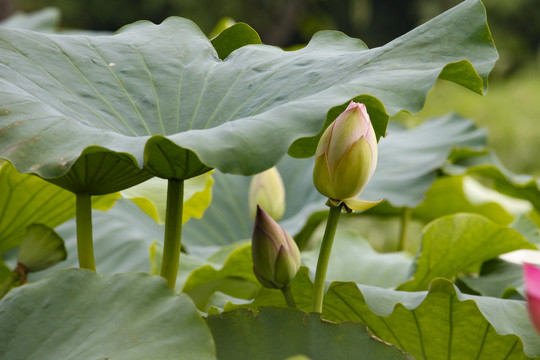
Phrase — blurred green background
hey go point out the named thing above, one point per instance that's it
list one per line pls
(510, 111)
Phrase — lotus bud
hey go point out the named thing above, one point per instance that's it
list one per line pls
(532, 288)
(267, 190)
(346, 155)
(276, 258)
(41, 248)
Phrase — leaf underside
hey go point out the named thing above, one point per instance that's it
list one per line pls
(159, 98)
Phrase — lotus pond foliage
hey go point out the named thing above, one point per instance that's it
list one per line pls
(131, 165)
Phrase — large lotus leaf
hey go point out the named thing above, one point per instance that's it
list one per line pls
(439, 324)
(46, 20)
(353, 259)
(460, 243)
(27, 199)
(407, 166)
(277, 333)
(77, 314)
(158, 97)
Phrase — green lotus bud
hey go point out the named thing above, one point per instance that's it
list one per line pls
(267, 190)
(276, 258)
(41, 248)
(346, 155)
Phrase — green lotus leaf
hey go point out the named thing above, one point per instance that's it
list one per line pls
(301, 289)
(437, 324)
(277, 333)
(497, 278)
(101, 113)
(76, 314)
(460, 243)
(408, 163)
(234, 278)
(234, 37)
(46, 20)
(41, 248)
(27, 199)
(410, 159)
(450, 195)
(353, 259)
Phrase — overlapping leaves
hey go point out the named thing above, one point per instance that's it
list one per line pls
(93, 110)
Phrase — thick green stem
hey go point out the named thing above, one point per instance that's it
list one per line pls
(13, 277)
(287, 294)
(173, 232)
(85, 245)
(324, 257)
(405, 220)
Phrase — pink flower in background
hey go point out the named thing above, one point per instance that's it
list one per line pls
(532, 287)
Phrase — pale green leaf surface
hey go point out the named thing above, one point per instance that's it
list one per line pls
(141, 98)
(439, 324)
(88, 316)
(277, 333)
(46, 20)
(410, 159)
(353, 259)
(460, 243)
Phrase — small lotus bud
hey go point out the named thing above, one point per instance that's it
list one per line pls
(532, 288)
(346, 155)
(276, 258)
(41, 248)
(267, 190)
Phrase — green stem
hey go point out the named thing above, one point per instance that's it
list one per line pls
(173, 231)
(13, 277)
(324, 257)
(287, 294)
(405, 221)
(85, 245)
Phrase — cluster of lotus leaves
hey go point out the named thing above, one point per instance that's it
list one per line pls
(99, 113)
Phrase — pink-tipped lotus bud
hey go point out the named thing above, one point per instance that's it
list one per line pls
(267, 190)
(532, 288)
(276, 258)
(346, 155)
